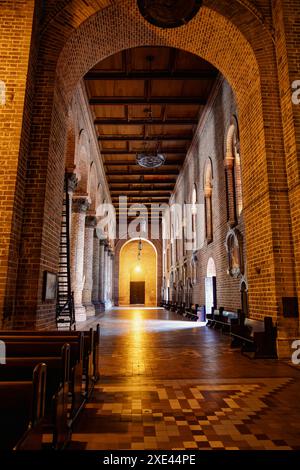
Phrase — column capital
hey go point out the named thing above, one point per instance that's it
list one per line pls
(90, 221)
(103, 242)
(72, 181)
(208, 191)
(80, 204)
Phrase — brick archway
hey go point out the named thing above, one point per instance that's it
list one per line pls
(231, 49)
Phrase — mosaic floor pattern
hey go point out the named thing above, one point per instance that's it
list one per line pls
(169, 384)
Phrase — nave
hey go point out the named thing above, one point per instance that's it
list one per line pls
(170, 384)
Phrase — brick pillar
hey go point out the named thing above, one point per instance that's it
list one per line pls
(79, 208)
(101, 274)
(96, 274)
(17, 28)
(90, 223)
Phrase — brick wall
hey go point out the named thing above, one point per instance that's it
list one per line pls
(18, 25)
(210, 143)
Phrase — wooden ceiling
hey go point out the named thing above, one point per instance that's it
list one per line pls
(147, 98)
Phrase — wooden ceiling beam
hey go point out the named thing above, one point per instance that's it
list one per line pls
(175, 151)
(166, 183)
(134, 163)
(134, 100)
(144, 138)
(142, 122)
(141, 192)
(153, 75)
(145, 172)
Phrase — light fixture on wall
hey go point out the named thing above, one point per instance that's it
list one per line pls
(169, 13)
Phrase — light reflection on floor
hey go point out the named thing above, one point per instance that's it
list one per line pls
(168, 383)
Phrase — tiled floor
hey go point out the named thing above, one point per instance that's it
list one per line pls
(172, 384)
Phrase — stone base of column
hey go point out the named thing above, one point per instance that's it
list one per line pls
(108, 304)
(90, 309)
(80, 313)
(99, 307)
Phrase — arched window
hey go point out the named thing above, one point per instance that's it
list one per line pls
(233, 174)
(208, 176)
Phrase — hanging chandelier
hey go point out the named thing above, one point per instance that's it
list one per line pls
(150, 160)
(169, 13)
(140, 247)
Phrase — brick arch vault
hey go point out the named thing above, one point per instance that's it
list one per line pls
(73, 39)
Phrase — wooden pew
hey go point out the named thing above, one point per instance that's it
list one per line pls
(91, 345)
(56, 397)
(223, 319)
(84, 364)
(22, 405)
(256, 338)
(44, 346)
(192, 312)
(181, 308)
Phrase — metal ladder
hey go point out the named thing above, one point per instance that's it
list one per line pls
(65, 312)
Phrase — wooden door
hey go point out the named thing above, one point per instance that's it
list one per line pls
(137, 293)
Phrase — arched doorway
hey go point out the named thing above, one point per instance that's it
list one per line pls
(138, 277)
(210, 286)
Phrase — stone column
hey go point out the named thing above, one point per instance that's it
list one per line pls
(96, 274)
(105, 276)
(90, 223)
(110, 256)
(79, 208)
(112, 279)
(72, 183)
(101, 274)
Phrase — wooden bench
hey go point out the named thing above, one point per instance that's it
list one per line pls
(181, 308)
(56, 398)
(223, 319)
(51, 346)
(210, 316)
(91, 345)
(22, 404)
(256, 338)
(192, 312)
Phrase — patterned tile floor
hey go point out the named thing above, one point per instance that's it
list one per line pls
(172, 384)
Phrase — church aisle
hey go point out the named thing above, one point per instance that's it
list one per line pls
(172, 384)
